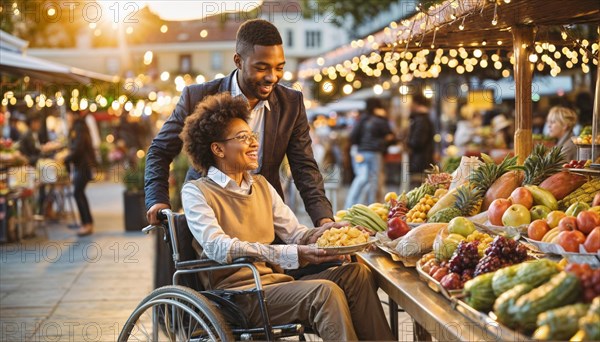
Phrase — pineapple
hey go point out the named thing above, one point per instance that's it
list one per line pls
(468, 203)
(541, 164)
(485, 175)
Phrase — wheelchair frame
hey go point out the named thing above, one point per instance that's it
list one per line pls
(185, 264)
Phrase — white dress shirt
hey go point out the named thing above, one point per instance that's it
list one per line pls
(257, 117)
(207, 231)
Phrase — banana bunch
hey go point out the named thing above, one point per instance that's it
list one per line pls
(361, 215)
(584, 194)
(414, 196)
(551, 235)
(380, 209)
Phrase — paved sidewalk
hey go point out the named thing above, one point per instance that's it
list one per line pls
(76, 289)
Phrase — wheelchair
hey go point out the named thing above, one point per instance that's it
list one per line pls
(178, 312)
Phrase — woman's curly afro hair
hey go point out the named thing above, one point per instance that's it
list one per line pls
(208, 124)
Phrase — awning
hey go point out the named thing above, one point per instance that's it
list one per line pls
(22, 65)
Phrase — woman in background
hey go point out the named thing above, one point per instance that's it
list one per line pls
(81, 156)
(561, 121)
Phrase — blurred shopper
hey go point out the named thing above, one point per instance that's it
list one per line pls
(29, 144)
(420, 137)
(83, 160)
(468, 131)
(501, 128)
(561, 121)
(13, 130)
(372, 135)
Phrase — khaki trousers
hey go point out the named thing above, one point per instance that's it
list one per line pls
(340, 304)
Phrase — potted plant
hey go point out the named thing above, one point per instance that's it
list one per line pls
(133, 196)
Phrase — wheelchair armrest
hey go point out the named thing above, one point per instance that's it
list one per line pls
(195, 264)
(244, 260)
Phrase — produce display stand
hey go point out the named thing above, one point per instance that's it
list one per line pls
(433, 314)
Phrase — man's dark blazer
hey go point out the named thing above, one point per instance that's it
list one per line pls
(286, 131)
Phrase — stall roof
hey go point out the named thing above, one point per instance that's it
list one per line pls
(13, 60)
(444, 22)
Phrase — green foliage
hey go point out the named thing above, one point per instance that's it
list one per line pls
(134, 176)
(339, 11)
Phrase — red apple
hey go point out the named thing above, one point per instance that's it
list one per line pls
(567, 223)
(522, 196)
(592, 242)
(397, 228)
(587, 220)
(497, 209)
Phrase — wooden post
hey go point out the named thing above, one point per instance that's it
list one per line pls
(523, 71)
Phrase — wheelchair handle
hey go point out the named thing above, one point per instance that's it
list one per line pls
(162, 215)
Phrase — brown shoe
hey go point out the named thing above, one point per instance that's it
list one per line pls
(85, 230)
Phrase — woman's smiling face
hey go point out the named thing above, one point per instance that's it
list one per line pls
(240, 148)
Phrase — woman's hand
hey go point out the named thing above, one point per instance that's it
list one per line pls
(313, 255)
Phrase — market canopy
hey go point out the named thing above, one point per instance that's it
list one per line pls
(522, 26)
(465, 23)
(14, 61)
(22, 65)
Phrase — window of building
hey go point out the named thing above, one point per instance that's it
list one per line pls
(185, 63)
(290, 38)
(216, 60)
(313, 39)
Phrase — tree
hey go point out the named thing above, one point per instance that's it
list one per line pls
(359, 11)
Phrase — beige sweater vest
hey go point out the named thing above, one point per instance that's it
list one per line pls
(246, 217)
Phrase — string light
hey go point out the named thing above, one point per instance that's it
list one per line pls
(495, 19)
(462, 25)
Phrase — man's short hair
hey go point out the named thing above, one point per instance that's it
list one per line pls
(256, 32)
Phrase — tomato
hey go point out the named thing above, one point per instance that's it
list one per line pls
(570, 240)
(537, 229)
(567, 223)
(592, 242)
(587, 220)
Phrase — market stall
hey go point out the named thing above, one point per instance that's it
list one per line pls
(530, 34)
(38, 88)
(451, 257)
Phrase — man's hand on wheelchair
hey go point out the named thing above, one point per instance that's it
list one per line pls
(314, 255)
(152, 213)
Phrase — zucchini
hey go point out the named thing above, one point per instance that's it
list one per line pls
(534, 273)
(561, 323)
(479, 292)
(506, 300)
(564, 288)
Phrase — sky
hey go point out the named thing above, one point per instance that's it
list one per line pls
(180, 10)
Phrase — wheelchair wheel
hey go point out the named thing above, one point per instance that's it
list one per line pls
(175, 313)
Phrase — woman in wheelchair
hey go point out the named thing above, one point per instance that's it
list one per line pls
(232, 212)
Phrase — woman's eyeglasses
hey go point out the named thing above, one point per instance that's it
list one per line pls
(244, 138)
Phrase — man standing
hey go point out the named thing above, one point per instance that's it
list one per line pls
(277, 114)
(420, 139)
